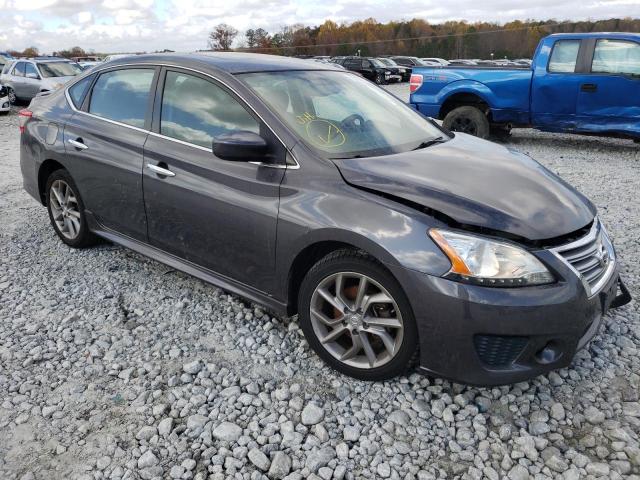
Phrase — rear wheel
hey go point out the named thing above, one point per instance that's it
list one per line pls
(467, 119)
(12, 96)
(356, 317)
(66, 211)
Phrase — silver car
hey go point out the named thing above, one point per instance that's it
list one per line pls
(25, 78)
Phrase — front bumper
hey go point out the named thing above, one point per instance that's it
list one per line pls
(493, 336)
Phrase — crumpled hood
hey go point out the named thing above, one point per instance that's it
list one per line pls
(480, 184)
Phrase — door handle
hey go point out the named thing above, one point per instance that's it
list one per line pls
(77, 144)
(589, 87)
(160, 171)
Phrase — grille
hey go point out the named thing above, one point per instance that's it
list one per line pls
(499, 351)
(591, 257)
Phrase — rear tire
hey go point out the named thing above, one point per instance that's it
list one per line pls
(66, 210)
(12, 96)
(379, 338)
(467, 119)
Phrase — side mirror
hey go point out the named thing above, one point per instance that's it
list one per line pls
(239, 146)
(33, 75)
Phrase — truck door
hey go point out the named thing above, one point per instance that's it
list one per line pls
(555, 85)
(609, 98)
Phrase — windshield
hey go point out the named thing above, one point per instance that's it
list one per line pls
(376, 62)
(59, 69)
(342, 115)
(388, 61)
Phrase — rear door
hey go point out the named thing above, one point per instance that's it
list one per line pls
(555, 86)
(215, 213)
(104, 142)
(609, 99)
(32, 80)
(17, 80)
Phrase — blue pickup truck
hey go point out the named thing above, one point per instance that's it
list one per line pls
(586, 83)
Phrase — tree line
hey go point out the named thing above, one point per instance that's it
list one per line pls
(416, 37)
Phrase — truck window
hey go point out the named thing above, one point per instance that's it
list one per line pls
(564, 56)
(616, 56)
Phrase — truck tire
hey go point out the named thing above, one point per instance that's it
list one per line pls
(467, 119)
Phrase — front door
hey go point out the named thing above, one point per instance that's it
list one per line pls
(215, 213)
(104, 144)
(555, 86)
(609, 99)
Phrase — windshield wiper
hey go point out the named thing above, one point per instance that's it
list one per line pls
(428, 143)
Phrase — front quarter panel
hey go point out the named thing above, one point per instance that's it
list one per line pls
(316, 206)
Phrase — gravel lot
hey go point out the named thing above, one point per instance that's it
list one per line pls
(115, 366)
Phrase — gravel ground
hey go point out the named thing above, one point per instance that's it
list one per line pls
(115, 366)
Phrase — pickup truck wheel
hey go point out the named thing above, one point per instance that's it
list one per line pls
(469, 120)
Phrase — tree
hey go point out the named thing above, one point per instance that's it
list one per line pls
(250, 35)
(262, 38)
(222, 36)
(30, 52)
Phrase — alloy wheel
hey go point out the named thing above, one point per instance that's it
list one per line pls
(12, 96)
(356, 320)
(65, 209)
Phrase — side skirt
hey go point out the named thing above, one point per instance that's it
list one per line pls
(242, 290)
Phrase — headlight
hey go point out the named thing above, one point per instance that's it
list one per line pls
(488, 262)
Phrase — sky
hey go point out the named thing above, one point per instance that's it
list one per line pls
(110, 26)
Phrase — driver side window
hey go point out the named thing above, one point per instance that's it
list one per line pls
(196, 110)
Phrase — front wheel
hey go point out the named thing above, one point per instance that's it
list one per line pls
(66, 211)
(469, 120)
(356, 317)
(379, 79)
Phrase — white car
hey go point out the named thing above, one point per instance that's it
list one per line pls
(5, 105)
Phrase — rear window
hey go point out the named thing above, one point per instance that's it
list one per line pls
(617, 57)
(564, 56)
(19, 70)
(122, 95)
(78, 91)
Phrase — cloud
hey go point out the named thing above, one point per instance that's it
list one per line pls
(183, 25)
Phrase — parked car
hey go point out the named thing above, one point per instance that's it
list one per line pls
(462, 61)
(440, 61)
(308, 190)
(404, 72)
(408, 61)
(371, 69)
(580, 83)
(25, 78)
(89, 58)
(5, 105)
(89, 65)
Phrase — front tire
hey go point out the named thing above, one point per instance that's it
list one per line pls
(379, 79)
(467, 119)
(357, 318)
(66, 210)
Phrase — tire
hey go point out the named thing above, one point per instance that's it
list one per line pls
(469, 120)
(67, 218)
(395, 354)
(12, 96)
(379, 79)
(500, 132)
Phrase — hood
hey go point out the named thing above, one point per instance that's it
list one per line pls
(479, 184)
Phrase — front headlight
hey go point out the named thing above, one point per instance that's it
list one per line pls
(488, 262)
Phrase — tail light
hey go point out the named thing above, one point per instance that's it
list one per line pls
(415, 82)
(23, 116)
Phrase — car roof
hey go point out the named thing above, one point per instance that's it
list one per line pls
(231, 62)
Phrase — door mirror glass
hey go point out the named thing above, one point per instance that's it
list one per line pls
(240, 146)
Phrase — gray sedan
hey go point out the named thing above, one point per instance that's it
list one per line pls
(313, 192)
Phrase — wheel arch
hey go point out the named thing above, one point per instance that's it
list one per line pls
(464, 98)
(315, 250)
(46, 169)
